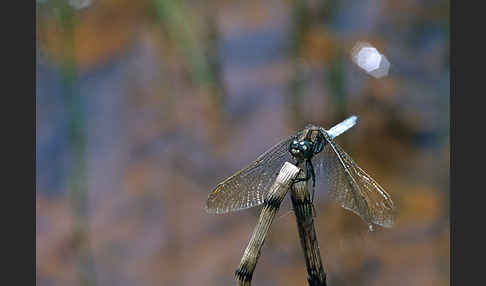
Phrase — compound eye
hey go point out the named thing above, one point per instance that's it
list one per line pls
(306, 147)
(294, 146)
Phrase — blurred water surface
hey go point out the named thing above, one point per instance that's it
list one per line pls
(143, 106)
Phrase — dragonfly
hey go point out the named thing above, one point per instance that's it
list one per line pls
(324, 161)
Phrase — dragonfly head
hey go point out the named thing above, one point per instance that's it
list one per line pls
(301, 149)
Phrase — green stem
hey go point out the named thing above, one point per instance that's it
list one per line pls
(77, 176)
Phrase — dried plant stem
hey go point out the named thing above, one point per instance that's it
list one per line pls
(304, 214)
(303, 209)
(272, 203)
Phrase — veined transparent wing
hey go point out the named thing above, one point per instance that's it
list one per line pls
(351, 186)
(248, 187)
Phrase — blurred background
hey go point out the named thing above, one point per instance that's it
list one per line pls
(143, 106)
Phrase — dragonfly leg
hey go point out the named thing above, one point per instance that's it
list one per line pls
(310, 169)
(301, 179)
(311, 175)
(308, 175)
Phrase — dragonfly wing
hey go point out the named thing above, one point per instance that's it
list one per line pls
(247, 187)
(351, 186)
